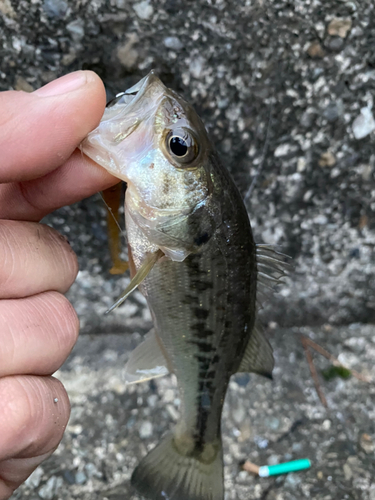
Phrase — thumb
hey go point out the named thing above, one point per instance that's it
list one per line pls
(39, 131)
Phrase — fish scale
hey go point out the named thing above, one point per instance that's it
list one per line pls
(211, 282)
(192, 254)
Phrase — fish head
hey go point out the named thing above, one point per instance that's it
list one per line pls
(153, 140)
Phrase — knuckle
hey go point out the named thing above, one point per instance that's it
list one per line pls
(34, 414)
(7, 253)
(66, 318)
(16, 411)
(63, 254)
(34, 258)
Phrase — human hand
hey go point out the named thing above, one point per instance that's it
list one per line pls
(40, 170)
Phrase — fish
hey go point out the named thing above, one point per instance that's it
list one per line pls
(192, 255)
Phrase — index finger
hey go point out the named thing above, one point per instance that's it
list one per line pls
(38, 134)
(39, 131)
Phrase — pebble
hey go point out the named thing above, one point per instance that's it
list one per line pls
(242, 379)
(80, 478)
(316, 51)
(196, 67)
(22, 84)
(33, 480)
(76, 29)
(272, 423)
(48, 490)
(55, 8)
(356, 344)
(297, 447)
(239, 414)
(292, 480)
(348, 473)
(364, 124)
(367, 443)
(262, 443)
(172, 42)
(152, 400)
(348, 359)
(333, 111)
(146, 429)
(326, 425)
(283, 150)
(273, 459)
(69, 58)
(172, 412)
(301, 164)
(6, 8)
(339, 27)
(320, 219)
(121, 4)
(245, 432)
(307, 119)
(327, 159)
(127, 56)
(69, 476)
(243, 476)
(335, 44)
(168, 396)
(143, 10)
(91, 470)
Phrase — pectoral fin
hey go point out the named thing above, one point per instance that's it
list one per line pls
(139, 276)
(146, 361)
(258, 357)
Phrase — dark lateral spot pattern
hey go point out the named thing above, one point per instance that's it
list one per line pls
(202, 337)
(201, 239)
(204, 346)
(200, 331)
(201, 313)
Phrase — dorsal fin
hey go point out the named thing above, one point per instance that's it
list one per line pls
(258, 357)
(272, 267)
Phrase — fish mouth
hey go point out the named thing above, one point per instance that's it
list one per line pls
(135, 93)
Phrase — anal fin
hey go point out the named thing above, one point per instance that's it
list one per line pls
(146, 361)
(258, 357)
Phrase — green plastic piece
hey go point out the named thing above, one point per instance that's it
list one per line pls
(295, 465)
(336, 371)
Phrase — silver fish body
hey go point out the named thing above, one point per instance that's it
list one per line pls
(201, 291)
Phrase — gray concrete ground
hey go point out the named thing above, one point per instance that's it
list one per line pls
(286, 89)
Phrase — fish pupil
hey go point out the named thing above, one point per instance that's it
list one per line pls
(178, 146)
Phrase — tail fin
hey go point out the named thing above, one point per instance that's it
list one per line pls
(165, 474)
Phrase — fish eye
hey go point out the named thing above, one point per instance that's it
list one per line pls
(182, 146)
(178, 146)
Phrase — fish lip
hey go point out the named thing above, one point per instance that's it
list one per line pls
(139, 90)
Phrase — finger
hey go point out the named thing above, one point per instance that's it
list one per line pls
(34, 412)
(39, 131)
(78, 178)
(16, 471)
(34, 258)
(37, 334)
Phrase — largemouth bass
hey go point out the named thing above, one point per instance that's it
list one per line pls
(192, 254)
